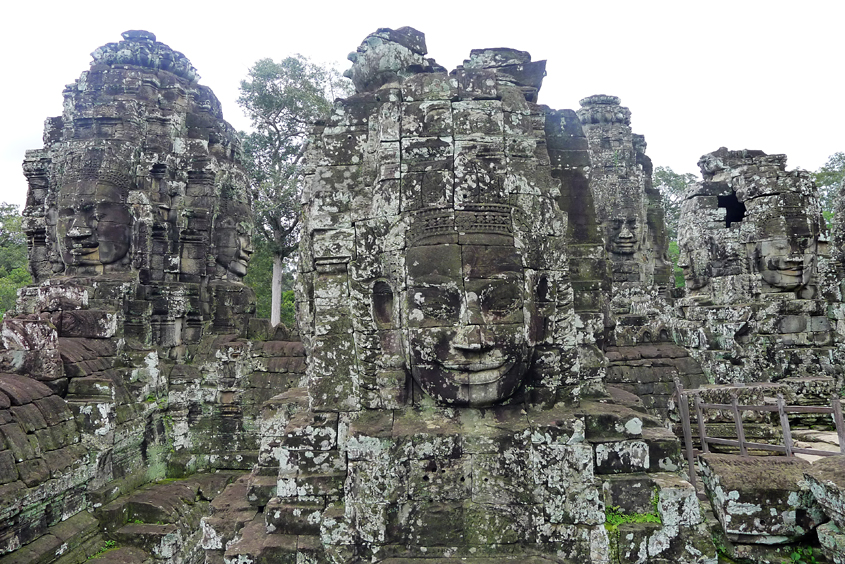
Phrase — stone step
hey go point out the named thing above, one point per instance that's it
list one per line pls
(665, 450)
(230, 511)
(255, 545)
(122, 555)
(300, 517)
(630, 493)
(180, 501)
(77, 536)
(261, 489)
(159, 503)
(163, 541)
(665, 494)
(607, 421)
(232, 498)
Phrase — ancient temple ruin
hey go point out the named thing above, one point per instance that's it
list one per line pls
(487, 340)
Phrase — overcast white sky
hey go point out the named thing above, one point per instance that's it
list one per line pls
(696, 75)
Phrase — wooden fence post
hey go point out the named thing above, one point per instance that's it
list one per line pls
(702, 429)
(683, 409)
(784, 423)
(740, 433)
(840, 426)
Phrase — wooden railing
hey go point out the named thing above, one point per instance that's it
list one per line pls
(788, 448)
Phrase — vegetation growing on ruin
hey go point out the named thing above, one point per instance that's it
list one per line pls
(13, 259)
(614, 516)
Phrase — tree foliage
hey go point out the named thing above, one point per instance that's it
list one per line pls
(13, 258)
(827, 179)
(672, 185)
(283, 100)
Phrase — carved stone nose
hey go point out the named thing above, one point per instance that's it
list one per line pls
(468, 338)
(625, 233)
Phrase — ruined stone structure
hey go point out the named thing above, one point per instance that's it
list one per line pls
(627, 211)
(128, 361)
(752, 239)
(482, 295)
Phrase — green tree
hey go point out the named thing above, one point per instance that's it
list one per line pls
(672, 186)
(828, 179)
(13, 257)
(674, 253)
(283, 100)
(260, 277)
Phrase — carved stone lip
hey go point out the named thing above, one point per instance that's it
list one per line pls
(477, 373)
(86, 250)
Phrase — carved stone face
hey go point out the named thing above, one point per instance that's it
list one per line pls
(785, 264)
(94, 226)
(623, 235)
(693, 264)
(468, 324)
(233, 241)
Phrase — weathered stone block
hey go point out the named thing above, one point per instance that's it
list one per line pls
(427, 523)
(28, 417)
(22, 390)
(826, 479)
(564, 475)
(622, 456)
(300, 517)
(8, 472)
(832, 539)
(442, 479)
(33, 471)
(760, 499)
(17, 442)
(54, 409)
(311, 431)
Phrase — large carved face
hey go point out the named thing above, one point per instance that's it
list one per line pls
(623, 234)
(94, 226)
(786, 264)
(233, 241)
(468, 322)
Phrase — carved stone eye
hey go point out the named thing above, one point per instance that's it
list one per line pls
(501, 299)
(437, 303)
(382, 303)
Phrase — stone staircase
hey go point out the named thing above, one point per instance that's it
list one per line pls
(160, 522)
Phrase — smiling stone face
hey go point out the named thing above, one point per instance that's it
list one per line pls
(233, 240)
(467, 320)
(623, 235)
(94, 224)
(785, 264)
